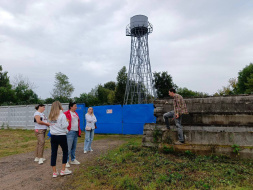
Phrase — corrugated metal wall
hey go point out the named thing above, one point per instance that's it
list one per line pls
(111, 119)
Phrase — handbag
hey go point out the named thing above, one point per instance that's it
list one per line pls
(87, 128)
(49, 134)
(95, 125)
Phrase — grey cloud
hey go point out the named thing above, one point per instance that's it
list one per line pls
(200, 43)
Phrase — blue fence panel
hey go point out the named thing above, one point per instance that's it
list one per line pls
(81, 113)
(133, 128)
(135, 116)
(109, 119)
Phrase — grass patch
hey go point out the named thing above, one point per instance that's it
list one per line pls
(133, 167)
(16, 141)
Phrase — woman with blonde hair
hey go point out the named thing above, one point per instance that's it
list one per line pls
(58, 130)
(89, 129)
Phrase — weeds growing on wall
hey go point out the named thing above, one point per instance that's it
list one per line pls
(236, 149)
(157, 135)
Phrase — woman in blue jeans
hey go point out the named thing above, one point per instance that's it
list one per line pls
(74, 132)
(89, 134)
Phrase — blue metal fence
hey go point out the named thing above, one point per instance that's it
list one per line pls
(129, 119)
(135, 116)
(109, 119)
(81, 113)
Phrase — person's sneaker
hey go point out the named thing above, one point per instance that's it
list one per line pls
(74, 162)
(40, 161)
(178, 143)
(36, 159)
(85, 152)
(91, 150)
(65, 172)
(67, 165)
(55, 174)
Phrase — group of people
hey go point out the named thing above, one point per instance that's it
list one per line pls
(64, 131)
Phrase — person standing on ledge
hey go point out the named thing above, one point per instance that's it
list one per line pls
(179, 110)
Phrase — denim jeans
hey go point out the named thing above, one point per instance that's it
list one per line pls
(178, 121)
(72, 141)
(89, 135)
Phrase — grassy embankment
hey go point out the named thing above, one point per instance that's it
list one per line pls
(16, 141)
(134, 167)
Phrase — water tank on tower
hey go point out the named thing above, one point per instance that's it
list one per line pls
(140, 88)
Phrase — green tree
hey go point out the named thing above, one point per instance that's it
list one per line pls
(49, 100)
(230, 89)
(7, 94)
(62, 88)
(24, 91)
(249, 84)
(88, 99)
(110, 85)
(105, 96)
(163, 82)
(185, 92)
(24, 95)
(121, 86)
(245, 80)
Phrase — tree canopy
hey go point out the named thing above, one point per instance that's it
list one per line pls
(245, 80)
(7, 94)
(163, 82)
(62, 88)
(121, 86)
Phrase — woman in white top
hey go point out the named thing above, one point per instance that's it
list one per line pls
(41, 125)
(89, 134)
(74, 132)
(58, 130)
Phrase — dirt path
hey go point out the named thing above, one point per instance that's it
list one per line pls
(21, 172)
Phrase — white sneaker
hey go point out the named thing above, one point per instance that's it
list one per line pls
(66, 172)
(55, 174)
(91, 150)
(37, 159)
(67, 165)
(85, 152)
(74, 162)
(40, 161)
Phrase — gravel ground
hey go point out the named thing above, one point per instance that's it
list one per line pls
(21, 172)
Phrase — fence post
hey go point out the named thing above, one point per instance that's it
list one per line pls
(27, 116)
(8, 116)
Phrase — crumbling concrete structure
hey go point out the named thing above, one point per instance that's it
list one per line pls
(217, 125)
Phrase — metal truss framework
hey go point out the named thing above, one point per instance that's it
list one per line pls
(139, 88)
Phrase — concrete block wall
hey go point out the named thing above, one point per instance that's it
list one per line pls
(213, 121)
(21, 116)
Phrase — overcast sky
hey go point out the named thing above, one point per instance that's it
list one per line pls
(201, 43)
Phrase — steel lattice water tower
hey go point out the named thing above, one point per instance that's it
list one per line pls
(139, 88)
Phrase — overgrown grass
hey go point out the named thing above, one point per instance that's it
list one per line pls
(16, 141)
(134, 167)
